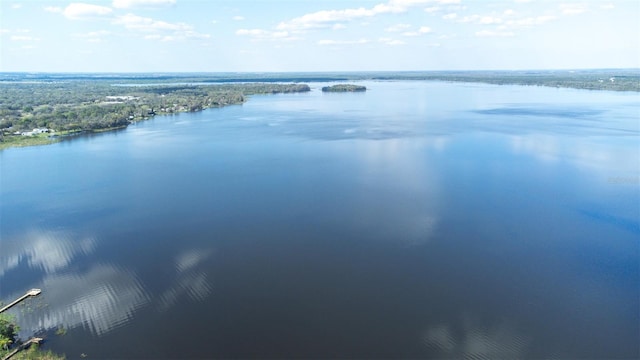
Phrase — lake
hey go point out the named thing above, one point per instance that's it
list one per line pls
(418, 219)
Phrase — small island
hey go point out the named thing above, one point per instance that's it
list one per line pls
(344, 88)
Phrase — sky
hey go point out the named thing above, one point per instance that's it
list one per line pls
(316, 35)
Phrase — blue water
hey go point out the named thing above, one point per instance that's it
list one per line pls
(418, 219)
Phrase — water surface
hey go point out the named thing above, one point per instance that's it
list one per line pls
(418, 219)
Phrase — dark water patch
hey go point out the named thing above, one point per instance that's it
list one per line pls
(583, 113)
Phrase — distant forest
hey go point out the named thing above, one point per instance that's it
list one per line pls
(593, 79)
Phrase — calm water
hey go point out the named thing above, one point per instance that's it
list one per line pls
(419, 219)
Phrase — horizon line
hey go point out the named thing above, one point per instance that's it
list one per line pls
(317, 71)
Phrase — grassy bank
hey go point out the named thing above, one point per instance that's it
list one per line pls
(21, 141)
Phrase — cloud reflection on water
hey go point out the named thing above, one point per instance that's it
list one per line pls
(47, 251)
(408, 211)
(470, 340)
(100, 299)
(190, 279)
(588, 153)
(97, 296)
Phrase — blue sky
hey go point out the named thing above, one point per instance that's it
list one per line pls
(314, 35)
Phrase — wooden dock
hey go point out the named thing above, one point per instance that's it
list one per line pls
(35, 340)
(32, 292)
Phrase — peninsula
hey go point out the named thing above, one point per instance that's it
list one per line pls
(39, 112)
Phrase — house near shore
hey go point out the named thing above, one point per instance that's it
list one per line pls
(35, 132)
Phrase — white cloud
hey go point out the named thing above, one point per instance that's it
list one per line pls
(158, 29)
(432, 9)
(94, 36)
(15, 31)
(530, 21)
(23, 38)
(453, 8)
(506, 20)
(489, 20)
(409, 3)
(164, 38)
(326, 18)
(338, 27)
(573, 9)
(390, 41)
(450, 16)
(397, 27)
(96, 33)
(144, 24)
(191, 35)
(82, 10)
(343, 42)
(53, 9)
(421, 31)
(469, 18)
(238, 18)
(608, 6)
(16, 6)
(481, 20)
(489, 33)
(251, 32)
(261, 34)
(127, 4)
